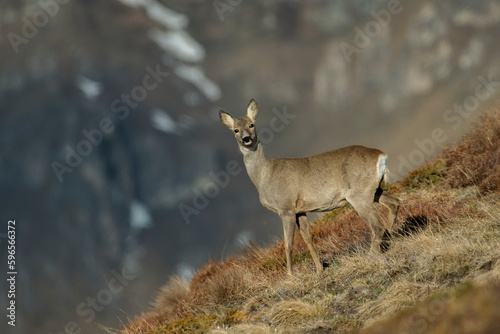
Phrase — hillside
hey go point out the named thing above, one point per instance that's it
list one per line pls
(440, 273)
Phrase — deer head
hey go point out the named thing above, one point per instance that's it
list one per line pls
(244, 127)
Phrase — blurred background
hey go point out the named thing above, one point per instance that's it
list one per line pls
(110, 137)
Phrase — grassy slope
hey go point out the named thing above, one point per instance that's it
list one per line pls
(440, 273)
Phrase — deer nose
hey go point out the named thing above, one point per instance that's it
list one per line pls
(247, 139)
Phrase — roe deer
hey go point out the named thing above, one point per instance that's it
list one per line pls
(292, 187)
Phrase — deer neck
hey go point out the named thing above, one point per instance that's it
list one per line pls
(256, 163)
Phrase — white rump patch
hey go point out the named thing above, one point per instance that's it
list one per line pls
(382, 166)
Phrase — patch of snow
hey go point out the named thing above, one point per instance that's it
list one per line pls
(472, 55)
(428, 27)
(166, 16)
(133, 3)
(244, 238)
(90, 88)
(178, 43)
(140, 217)
(159, 13)
(162, 121)
(185, 270)
(196, 76)
(467, 17)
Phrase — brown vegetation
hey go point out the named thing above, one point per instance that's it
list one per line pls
(476, 160)
(441, 266)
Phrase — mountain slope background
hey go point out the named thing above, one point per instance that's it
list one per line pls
(65, 64)
(439, 273)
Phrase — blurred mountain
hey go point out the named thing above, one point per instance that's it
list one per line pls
(105, 128)
(375, 72)
(110, 138)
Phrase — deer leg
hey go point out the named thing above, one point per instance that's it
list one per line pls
(289, 234)
(306, 235)
(392, 203)
(366, 210)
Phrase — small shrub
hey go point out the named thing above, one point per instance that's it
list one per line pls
(428, 175)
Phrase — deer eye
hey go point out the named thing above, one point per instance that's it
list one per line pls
(251, 125)
(236, 130)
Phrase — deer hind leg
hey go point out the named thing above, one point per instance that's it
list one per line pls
(306, 235)
(289, 224)
(366, 209)
(392, 203)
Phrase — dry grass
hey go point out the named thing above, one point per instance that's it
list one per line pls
(444, 254)
(175, 290)
(469, 309)
(475, 161)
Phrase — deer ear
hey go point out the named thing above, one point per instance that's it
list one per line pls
(226, 119)
(252, 109)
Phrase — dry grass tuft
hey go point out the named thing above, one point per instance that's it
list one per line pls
(475, 161)
(217, 283)
(443, 257)
(145, 323)
(174, 291)
(473, 310)
(295, 313)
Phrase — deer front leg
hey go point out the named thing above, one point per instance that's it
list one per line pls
(306, 235)
(289, 234)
